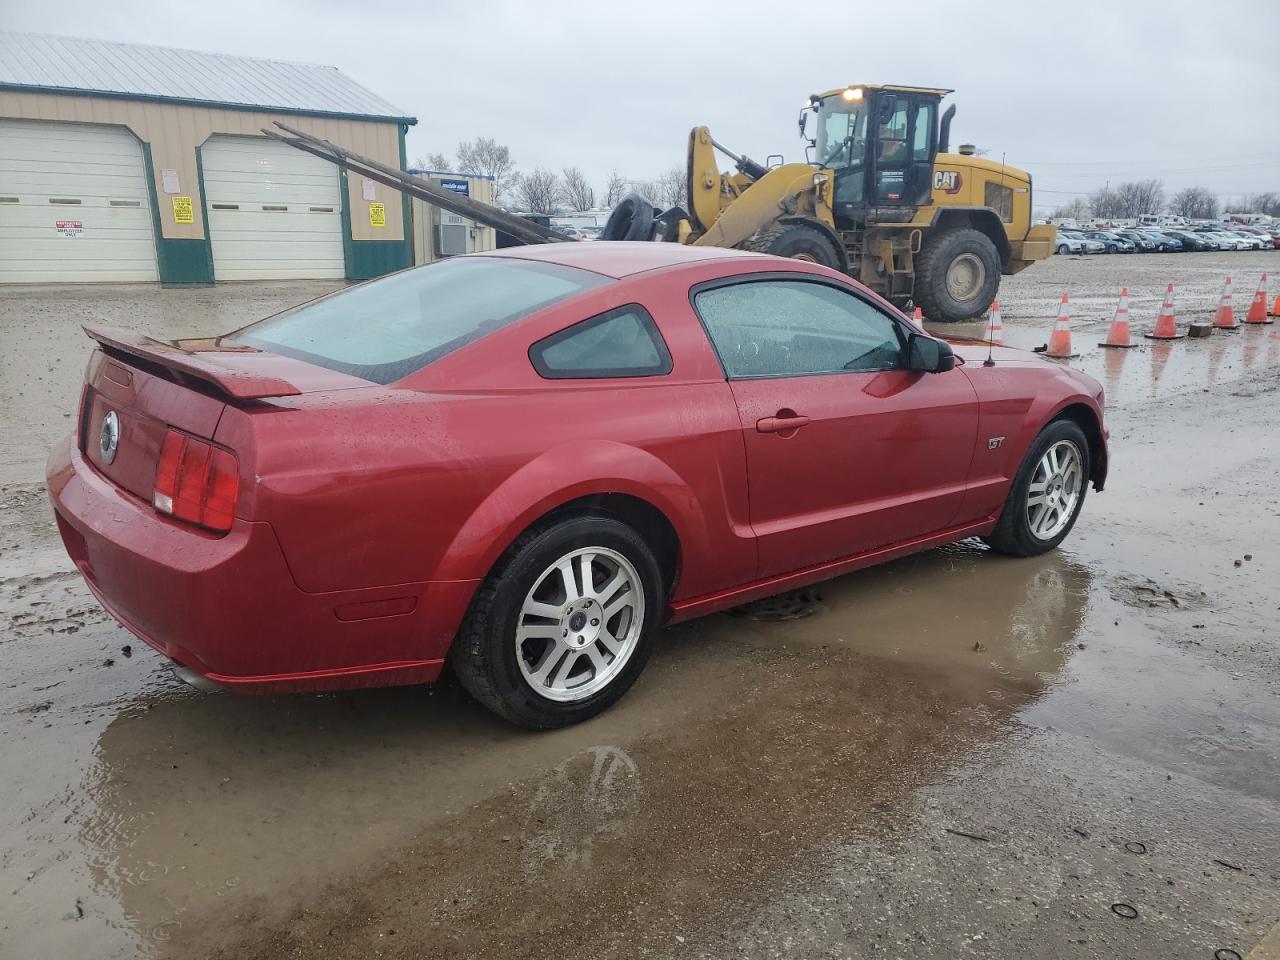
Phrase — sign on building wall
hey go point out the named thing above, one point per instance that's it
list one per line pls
(377, 214)
(169, 181)
(69, 228)
(183, 212)
(457, 186)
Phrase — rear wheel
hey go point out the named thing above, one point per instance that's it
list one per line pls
(1047, 493)
(564, 624)
(797, 242)
(957, 275)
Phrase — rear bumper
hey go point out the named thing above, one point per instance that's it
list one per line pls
(228, 608)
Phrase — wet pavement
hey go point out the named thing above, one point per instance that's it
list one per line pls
(954, 755)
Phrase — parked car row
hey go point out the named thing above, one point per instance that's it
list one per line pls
(1168, 239)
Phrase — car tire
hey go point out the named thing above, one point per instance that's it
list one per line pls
(1063, 250)
(797, 242)
(510, 636)
(934, 269)
(1024, 531)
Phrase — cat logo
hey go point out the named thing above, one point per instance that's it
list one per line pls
(948, 180)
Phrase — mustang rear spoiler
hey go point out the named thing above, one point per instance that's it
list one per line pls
(240, 372)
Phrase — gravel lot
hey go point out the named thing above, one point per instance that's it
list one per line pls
(955, 755)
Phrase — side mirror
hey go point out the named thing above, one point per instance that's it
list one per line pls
(927, 355)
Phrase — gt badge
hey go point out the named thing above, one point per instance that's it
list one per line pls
(994, 442)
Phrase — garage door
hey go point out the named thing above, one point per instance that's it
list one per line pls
(274, 212)
(74, 205)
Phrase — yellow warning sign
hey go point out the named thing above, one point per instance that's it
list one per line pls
(182, 210)
(377, 214)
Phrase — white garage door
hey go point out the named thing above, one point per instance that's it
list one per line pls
(74, 205)
(274, 212)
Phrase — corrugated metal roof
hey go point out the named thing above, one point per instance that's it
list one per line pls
(72, 64)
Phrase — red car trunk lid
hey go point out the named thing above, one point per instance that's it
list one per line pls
(137, 388)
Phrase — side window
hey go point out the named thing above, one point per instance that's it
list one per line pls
(924, 129)
(624, 342)
(791, 328)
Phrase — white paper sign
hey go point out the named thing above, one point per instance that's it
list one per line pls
(169, 179)
(370, 189)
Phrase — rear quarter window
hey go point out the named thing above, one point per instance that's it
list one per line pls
(624, 342)
(386, 329)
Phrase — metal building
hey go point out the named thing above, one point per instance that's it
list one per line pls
(438, 233)
(121, 162)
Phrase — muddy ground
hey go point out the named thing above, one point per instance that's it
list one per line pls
(954, 755)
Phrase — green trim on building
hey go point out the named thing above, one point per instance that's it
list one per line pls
(204, 212)
(406, 205)
(348, 255)
(366, 259)
(373, 258)
(177, 261)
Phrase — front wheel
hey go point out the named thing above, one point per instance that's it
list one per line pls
(1047, 493)
(1063, 250)
(563, 626)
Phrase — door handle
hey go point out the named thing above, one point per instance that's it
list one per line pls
(781, 424)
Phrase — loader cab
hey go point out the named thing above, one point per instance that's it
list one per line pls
(880, 143)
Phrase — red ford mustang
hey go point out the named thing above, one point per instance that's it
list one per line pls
(525, 462)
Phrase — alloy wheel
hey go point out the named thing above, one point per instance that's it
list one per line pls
(1055, 490)
(579, 624)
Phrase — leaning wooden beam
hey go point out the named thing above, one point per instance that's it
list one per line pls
(491, 216)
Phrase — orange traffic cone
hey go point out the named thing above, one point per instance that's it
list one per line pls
(1225, 319)
(1275, 308)
(1060, 339)
(1118, 336)
(918, 318)
(1166, 327)
(996, 333)
(1258, 309)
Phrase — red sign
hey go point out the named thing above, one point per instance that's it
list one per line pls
(69, 228)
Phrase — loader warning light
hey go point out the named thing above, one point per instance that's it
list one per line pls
(852, 93)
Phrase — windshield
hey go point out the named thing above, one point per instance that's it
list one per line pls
(388, 328)
(842, 133)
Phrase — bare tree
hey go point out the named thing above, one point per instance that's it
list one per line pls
(1267, 202)
(432, 161)
(669, 189)
(539, 191)
(1137, 197)
(486, 157)
(614, 189)
(1194, 203)
(578, 192)
(1105, 203)
(1077, 209)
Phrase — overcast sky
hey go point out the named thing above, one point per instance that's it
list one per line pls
(1078, 93)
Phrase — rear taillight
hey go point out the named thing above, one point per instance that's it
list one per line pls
(197, 482)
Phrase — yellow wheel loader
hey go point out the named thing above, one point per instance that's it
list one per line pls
(881, 199)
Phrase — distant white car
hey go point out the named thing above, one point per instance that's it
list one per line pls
(1069, 245)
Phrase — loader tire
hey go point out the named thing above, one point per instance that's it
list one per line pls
(797, 242)
(631, 219)
(957, 275)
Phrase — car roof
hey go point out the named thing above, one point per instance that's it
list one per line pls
(619, 258)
